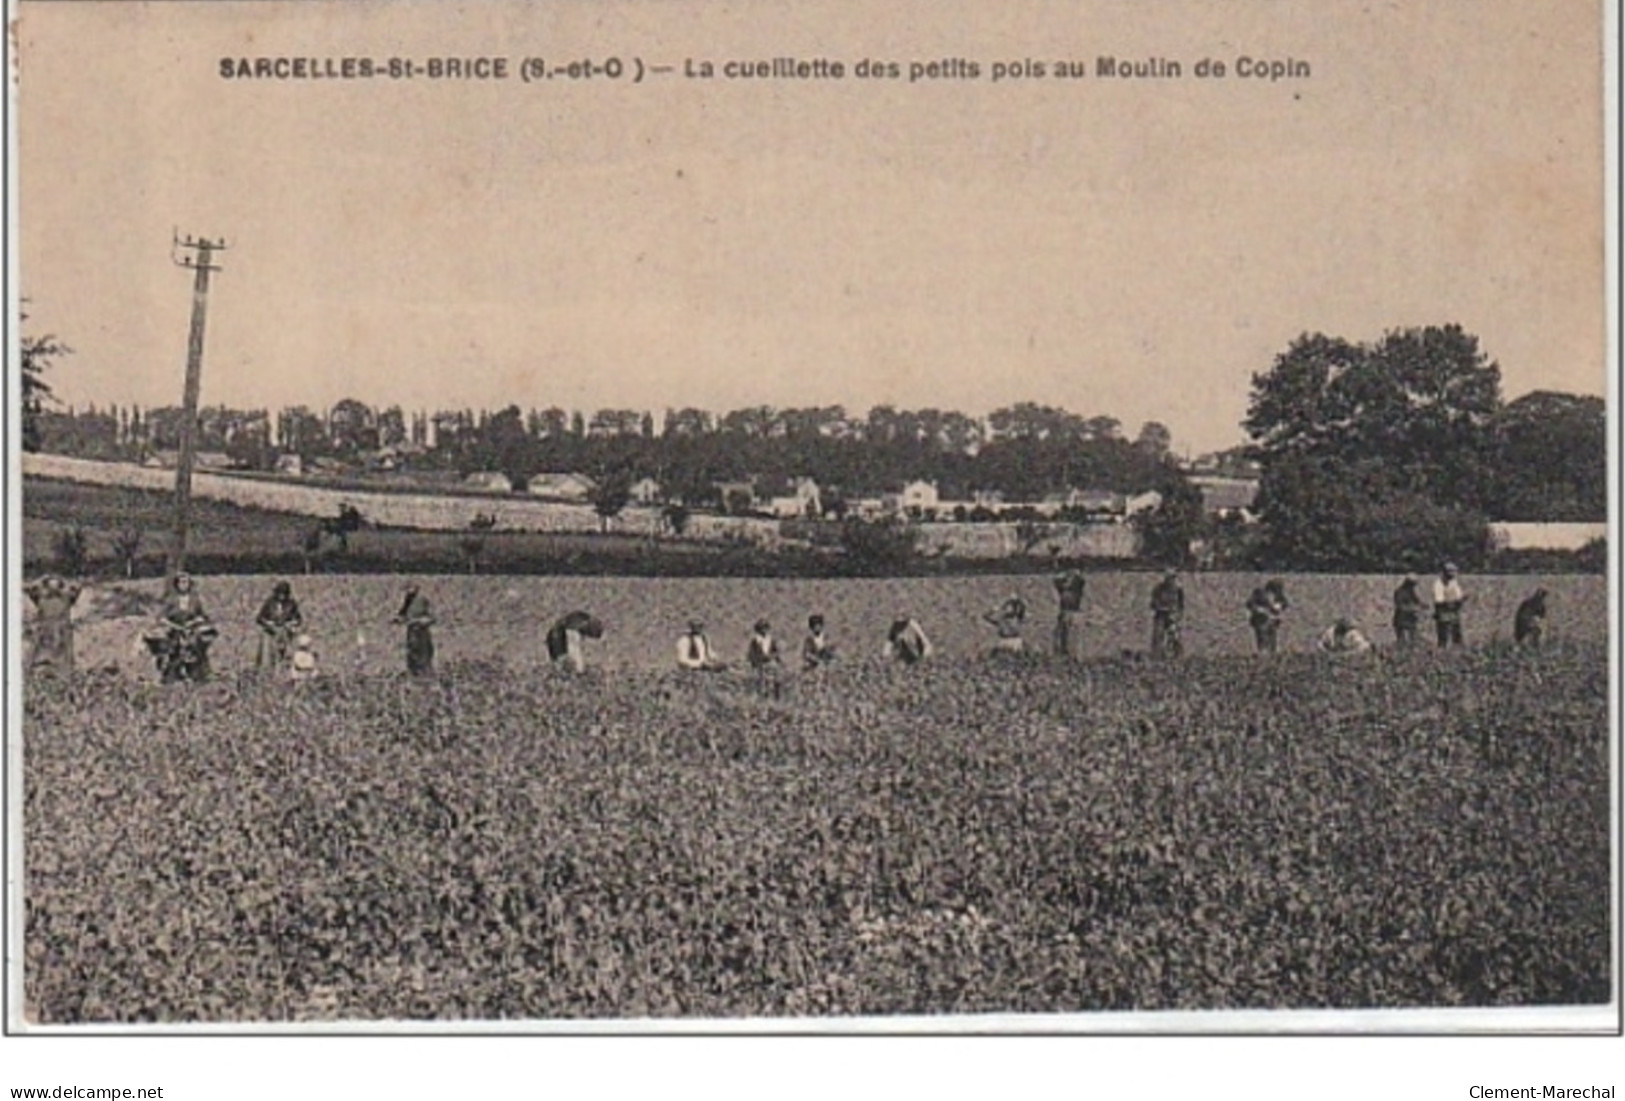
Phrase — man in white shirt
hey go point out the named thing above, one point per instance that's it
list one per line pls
(694, 649)
(1447, 601)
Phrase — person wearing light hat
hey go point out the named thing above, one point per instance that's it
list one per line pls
(1448, 599)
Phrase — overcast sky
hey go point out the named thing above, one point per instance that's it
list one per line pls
(1132, 248)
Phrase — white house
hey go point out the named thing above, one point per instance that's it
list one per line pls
(802, 500)
(489, 481)
(917, 494)
(561, 486)
(1138, 503)
(646, 491)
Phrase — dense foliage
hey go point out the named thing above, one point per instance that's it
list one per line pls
(1028, 836)
(1395, 454)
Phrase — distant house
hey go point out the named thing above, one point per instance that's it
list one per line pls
(1545, 536)
(201, 460)
(802, 499)
(489, 481)
(290, 463)
(1227, 498)
(646, 491)
(1137, 503)
(914, 496)
(561, 486)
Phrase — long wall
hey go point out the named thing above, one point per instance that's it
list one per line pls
(430, 512)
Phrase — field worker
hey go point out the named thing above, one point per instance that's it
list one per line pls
(1265, 607)
(183, 607)
(1447, 601)
(694, 649)
(763, 657)
(1069, 617)
(418, 618)
(1407, 611)
(1529, 623)
(1167, 614)
(302, 660)
(279, 620)
(906, 642)
(1007, 620)
(1343, 637)
(816, 649)
(564, 639)
(53, 599)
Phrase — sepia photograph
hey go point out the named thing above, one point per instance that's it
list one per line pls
(830, 518)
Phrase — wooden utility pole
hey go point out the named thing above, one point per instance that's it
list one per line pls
(194, 253)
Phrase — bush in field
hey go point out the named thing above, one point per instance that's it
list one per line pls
(71, 548)
(1026, 836)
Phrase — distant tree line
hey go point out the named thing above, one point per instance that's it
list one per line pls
(1396, 454)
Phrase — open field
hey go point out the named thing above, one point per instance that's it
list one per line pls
(1415, 829)
(487, 616)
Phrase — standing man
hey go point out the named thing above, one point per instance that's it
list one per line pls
(53, 599)
(1167, 615)
(1265, 607)
(1448, 599)
(1407, 612)
(418, 618)
(1069, 617)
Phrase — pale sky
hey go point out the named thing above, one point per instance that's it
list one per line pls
(1132, 248)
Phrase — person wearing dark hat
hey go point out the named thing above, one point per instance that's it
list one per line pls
(1448, 599)
(1408, 607)
(1529, 623)
(694, 650)
(53, 598)
(564, 639)
(816, 649)
(418, 618)
(1167, 616)
(279, 621)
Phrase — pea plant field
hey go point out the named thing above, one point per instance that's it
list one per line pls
(1011, 834)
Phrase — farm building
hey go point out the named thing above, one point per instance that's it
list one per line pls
(1227, 497)
(290, 464)
(645, 491)
(561, 486)
(802, 499)
(916, 495)
(489, 481)
(202, 460)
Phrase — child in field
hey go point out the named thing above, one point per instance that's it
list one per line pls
(1167, 615)
(763, 657)
(53, 598)
(1069, 615)
(564, 639)
(1407, 612)
(418, 618)
(1448, 600)
(816, 649)
(1265, 607)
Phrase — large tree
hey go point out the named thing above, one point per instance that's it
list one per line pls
(37, 354)
(1347, 433)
